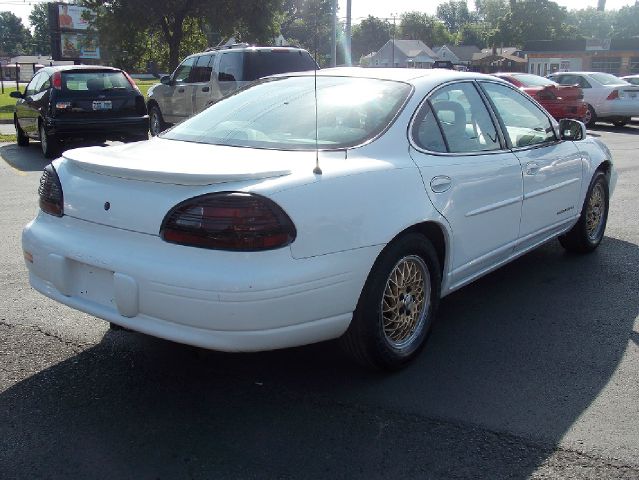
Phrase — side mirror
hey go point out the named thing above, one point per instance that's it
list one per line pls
(16, 94)
(572, 130)
(165, 79)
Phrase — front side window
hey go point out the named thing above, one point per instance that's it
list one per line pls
(202, 70)
(280, 114)
(183, 71)
(524, 122)
(31, 87)
(462, 119)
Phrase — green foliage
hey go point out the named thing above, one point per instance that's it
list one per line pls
(369, 36)
(307, 23)
(590, 22)
(39, 21)
(473, 34)
(15, 39)
(454, 14)
(424, 27)
(626, 22)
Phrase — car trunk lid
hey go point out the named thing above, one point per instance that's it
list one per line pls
(133, 186)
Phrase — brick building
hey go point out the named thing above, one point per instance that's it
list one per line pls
(616, 56)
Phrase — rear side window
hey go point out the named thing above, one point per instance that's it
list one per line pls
(525, 123)
(459, 114)
(231, 67)
(201, 72)
(426, 132)
(263, 63)
(94, 81)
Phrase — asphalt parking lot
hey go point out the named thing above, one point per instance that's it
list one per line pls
(530, 372)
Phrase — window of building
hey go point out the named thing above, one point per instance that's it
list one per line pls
(607, 65)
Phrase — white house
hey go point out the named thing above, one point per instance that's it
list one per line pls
(404, 54)
(457, 54)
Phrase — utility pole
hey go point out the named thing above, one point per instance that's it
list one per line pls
(349, 58)
(393, 51)
(334, 35)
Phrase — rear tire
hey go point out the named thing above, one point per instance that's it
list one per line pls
(156, 121)
(396, 308)
(621, 122)
(591, 117)
(589, 230)
(49, 143)
(22, 139)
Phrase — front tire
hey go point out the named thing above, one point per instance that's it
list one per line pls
(589, 230)
(396, 308)
(156, 121)
(49, 143)
(591, 117)
(22, 139)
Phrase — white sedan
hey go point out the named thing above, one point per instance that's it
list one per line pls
(632, 79)
(609, 98)
(307, 208)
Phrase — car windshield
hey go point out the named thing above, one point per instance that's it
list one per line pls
(533, 80)
(607, 79)
(94, 81)
(279, 113)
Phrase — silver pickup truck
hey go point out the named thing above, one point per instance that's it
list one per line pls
(204, 78)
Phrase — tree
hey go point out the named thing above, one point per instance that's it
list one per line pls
(369, 36)
(424, 27)
(626, 22)
(39, 20)
(454, 14)
(473, 34)
(591, 23)
(174, 20)
(14, 36)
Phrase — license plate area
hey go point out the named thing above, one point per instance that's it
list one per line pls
(92, 283)
(102, 105)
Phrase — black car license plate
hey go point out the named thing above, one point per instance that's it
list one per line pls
(102, 105)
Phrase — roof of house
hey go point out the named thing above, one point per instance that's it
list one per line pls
(412, 48)
(463, 52)
(501, 51)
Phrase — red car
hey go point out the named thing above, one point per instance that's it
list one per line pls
(560, 101)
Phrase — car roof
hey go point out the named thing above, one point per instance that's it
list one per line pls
(246, 48)
(64, 68)
(408, 75)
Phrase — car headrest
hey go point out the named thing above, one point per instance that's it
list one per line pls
(456, 108)
(95, 84)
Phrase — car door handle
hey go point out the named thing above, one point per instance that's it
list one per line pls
(532, 168)
(205, 89)
(440, 183)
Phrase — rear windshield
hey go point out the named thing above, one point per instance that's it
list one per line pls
(533, 80)
(279, 113)
(607, 79)
(94, 81)
(249, 65)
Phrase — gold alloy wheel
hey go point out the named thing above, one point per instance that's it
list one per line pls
(405, 301)
(595, 212)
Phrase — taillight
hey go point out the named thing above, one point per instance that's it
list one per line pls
(132, 82)
(229, 221)
(56, 80)
(50, 192)
(613, 95)
(546, 95)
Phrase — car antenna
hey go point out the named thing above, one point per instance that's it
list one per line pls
(317, 170)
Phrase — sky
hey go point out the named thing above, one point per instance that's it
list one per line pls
(360, 8)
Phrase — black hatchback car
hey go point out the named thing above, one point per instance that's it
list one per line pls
(93, 103)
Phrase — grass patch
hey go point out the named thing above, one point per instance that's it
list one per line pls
(7, 137)
(144, 85)
(7, 104)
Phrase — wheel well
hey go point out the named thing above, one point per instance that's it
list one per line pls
(152, 103)
(605, 167)
(435, 233)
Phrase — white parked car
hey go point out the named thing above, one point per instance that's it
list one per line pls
(609, 98)
(632, 79)
(305, 209)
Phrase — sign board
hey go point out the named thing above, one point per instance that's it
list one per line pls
(79, 45)
(72, 35)
(72, 17)
(597, 44)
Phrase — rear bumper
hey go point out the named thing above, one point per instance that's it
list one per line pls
(110, 128)
(618, 108)
(574, 110)
(225, 301)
